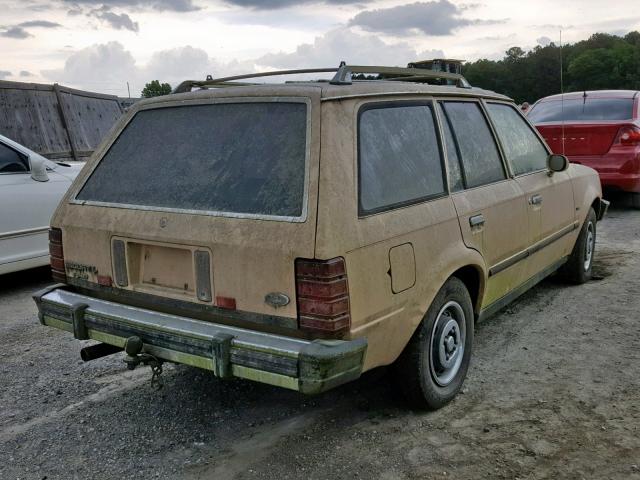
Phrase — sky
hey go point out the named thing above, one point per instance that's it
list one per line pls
(103, 45)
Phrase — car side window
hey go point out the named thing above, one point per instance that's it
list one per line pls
(521, 146)
(478, 150)
(399, 155)
(456, 181)
(11, 161)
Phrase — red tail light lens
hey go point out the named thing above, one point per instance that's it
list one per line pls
(629, 135)
(323, 296)
(57, 255)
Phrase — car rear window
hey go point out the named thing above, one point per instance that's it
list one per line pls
(235, 158)
(582, 109)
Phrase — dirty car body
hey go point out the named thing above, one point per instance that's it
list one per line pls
(300, 234)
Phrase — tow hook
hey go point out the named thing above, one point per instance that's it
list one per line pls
(135, 356)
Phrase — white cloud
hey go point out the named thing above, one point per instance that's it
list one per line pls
(345, 44)
(117, 21)
(111, 64)
(276, 4)
(439, 17)
(96, 65)
(160, 5)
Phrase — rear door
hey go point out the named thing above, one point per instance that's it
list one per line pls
(490, 206)
(205, 203)
(550, 202)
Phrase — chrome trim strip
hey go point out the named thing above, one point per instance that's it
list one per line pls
(552, 238)
(545, 242)
(499, 267)
(23, 233)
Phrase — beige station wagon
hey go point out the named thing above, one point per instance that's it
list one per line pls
(302, 233)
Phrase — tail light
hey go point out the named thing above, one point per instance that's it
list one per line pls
(629, 135)
(57, 255)
(323, 296)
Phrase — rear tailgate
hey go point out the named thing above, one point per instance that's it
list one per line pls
(206, 218)
(580, 138)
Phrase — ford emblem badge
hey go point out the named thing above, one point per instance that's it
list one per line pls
(276, 299)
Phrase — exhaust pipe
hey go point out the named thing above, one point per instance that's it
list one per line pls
(98, 351)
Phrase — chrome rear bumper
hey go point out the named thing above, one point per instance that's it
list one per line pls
(307, 366)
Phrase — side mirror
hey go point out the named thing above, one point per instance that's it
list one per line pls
(557, 163)
(38, 169)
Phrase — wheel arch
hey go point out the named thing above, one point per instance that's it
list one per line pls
(599, 207)
(474, 279)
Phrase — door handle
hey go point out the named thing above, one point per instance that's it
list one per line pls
(536, 199)
(476, 220)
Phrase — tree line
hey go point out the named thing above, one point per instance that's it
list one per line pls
(603, 61)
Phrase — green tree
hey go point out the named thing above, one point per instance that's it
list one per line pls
(487, 74)
(603, 61)
(514, 54)
(155, 89)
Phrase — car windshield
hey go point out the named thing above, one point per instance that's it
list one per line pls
(582, 109)
(237, 158)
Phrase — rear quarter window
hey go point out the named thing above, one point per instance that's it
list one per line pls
(400, 159)
(227, 158)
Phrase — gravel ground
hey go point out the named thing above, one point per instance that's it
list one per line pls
(553, 392)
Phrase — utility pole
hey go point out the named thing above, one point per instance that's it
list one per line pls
(128, 90)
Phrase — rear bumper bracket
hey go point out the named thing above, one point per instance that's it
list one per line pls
(221, 349)
(77, 319)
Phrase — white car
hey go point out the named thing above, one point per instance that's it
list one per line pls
(30, 188)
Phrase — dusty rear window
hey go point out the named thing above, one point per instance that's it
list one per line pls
(236, 158)
(583, 109)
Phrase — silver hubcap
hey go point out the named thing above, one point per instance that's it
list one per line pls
(447, 343)
(588, 251)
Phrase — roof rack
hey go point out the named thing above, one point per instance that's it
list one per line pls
(343, 76)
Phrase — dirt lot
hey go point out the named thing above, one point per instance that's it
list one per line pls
(553, 392)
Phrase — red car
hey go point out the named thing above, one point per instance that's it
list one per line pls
(600, 129)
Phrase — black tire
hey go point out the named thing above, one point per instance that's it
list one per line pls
(419, 370)
(635, 200)
(578, 268)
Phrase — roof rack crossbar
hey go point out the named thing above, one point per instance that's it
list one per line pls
(343, 76)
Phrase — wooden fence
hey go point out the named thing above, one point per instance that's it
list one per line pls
(57, 122)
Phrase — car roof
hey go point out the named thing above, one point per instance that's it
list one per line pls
(592, 94)
(328, 92)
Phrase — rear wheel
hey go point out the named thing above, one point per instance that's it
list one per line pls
(433, 366)
(579, 267)
(635, 200)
